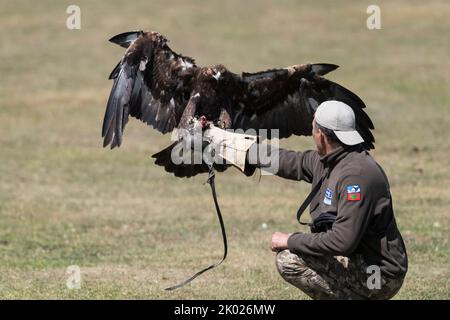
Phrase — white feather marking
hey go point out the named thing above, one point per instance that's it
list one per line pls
(142, 65)
(157, 106)
(217, 76)
(185, 64)
(172, 102)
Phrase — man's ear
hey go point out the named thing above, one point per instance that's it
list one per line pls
(323, 137)
(320, 132)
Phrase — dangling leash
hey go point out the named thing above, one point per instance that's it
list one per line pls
(306, 203)
(325, 220)
(210, 181)
(309, 198)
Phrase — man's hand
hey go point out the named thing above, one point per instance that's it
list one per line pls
(279, 241)
(230, 147)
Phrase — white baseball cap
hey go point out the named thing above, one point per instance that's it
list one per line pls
(340, 118)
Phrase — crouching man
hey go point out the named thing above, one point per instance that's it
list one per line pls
(357, 252)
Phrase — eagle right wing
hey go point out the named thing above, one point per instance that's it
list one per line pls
(286, 99)
(151, 83)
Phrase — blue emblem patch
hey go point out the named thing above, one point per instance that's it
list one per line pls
(328, 196)
(354, 189)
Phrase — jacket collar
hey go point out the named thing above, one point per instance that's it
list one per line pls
(338, 154)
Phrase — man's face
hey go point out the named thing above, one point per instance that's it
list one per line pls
(319, 139)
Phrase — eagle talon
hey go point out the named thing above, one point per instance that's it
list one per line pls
(204, 123)
(191, 120)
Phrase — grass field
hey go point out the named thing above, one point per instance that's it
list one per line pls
(132, 228)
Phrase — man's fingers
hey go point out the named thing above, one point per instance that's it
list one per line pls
(279, 241)
(274, 242)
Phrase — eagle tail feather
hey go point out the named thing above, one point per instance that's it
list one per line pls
(164, 158)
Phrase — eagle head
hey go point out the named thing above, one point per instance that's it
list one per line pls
(219, 72)
(215, 73)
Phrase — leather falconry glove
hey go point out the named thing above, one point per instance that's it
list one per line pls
(230, 147)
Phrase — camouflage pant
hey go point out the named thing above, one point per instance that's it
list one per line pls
(333, 277)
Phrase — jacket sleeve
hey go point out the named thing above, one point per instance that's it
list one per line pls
(284, 163)
(353, 214)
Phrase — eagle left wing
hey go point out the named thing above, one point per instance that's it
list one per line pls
(151, 83)
(286, 99)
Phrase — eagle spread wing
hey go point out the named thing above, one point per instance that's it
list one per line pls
(161, 87)
(286, 99)
(151, 83)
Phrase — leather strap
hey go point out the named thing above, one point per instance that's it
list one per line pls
(210, 181)
(309, 198)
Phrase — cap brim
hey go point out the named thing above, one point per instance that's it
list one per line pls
(349, 138)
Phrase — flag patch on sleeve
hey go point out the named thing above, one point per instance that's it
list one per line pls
(328, 196)
(354, 192)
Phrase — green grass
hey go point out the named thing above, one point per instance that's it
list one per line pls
(134, 229)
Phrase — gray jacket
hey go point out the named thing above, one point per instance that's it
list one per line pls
(355, 189)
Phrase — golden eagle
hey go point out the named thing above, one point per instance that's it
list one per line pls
(167, 90)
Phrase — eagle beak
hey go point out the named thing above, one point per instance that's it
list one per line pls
(217, 75)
